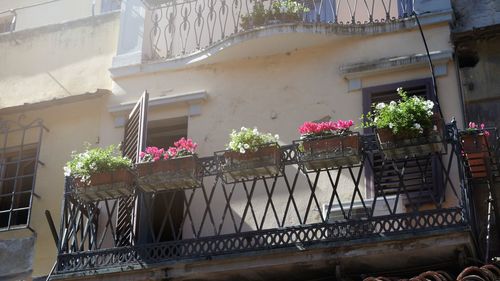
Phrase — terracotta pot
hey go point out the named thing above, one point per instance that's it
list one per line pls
(171, 174)
(476, 152)
(263, 162)
(328, 152)
(108, 185)
(409, 144)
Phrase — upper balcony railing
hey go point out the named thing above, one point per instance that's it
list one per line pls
(373, 199)
(177, 28)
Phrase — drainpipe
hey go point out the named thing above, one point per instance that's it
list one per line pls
(431, 66)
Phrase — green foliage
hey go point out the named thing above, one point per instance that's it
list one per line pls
(288, 10)
(95, 160)
(283, 11)
(410, 116)
(249, 140)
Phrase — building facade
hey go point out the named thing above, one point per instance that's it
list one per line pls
(209, 67)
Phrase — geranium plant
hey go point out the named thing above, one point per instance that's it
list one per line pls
(330, 128)
(249, 140)
(475, 128)
(181, 148)
(95, 160)
(409, 117)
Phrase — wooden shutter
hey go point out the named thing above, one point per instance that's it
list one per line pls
(134, 141)
(419, 180)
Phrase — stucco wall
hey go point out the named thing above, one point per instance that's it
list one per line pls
(36, 13)
(475, 14)
(58, 60)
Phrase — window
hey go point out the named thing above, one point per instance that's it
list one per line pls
(110, 5)
(6, 23)
(17, 179)
(320, 10)
(19, 149)
(420, 180)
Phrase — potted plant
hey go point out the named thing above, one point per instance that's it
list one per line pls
(173, 168)
(407, 127)
(328, 144)
(474, 140)
(100, 173)
(251, 154)
(279, 12)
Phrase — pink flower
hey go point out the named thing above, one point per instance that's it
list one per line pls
(325, 128)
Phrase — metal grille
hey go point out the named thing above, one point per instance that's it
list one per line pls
(276, 212)
(20, 148)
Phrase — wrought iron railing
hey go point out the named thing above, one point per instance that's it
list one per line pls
(295, 208)
(176, 28)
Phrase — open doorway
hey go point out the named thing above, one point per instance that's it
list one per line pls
(167, 208)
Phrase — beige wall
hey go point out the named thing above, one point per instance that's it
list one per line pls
(36, 13)
(57, 61)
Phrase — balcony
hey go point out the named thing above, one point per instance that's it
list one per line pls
(354, 216)
(181, 28)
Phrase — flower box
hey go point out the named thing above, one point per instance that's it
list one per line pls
(475, 149)
(171, 174)
(108, 185)
(328, 152)
(252, 164)
(400, 146)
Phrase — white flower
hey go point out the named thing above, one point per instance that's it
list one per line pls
(67, 171)
(429, 104)
(277, 137)
(380, 105)
(399, 89)
(255, 131)
(417, 126)
(435, 128)
(430, 113)
(391, 125)
(243, 129)
(393, 103)
(246, 146)
(242, 150)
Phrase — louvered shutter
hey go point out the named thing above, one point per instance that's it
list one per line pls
(420, 179)
(134, 142)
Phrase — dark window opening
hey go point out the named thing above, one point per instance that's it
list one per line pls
(163, 133)
(420, 178)
(17, 174)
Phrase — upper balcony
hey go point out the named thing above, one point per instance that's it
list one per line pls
(376, 215)
(189, 32)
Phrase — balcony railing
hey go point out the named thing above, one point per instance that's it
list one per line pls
(374, 199)
(177, 28)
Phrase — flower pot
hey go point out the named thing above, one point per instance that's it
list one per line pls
(475, 150)
(244, 166)
(101, 186)
(403, 145)
(171, 174)
(329, 152)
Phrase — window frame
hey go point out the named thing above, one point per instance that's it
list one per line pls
(367, 102)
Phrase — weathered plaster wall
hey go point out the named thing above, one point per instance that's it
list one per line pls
(16, 256)
(57, 61)
(472, 14)
(480, 85)
(29, 14)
